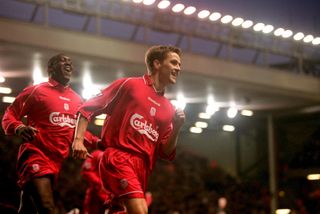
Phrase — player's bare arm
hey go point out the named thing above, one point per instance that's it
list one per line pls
(79, 151)
(178, 121)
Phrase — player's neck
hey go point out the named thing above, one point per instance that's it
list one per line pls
(157, 86)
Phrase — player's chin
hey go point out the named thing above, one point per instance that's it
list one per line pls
(173, 80)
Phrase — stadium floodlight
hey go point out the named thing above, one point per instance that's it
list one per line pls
(178, 8)
(101, 116)
(232, 112)
(246, 24)
(258, 27)
(278, 32)
(298, 36)
(189, 10)
(215, 16)
(201, 124)
(195, 130)
(180, 102)
(228, 128)
(164, 4)
(37, 75)
(267, 29)
(98, 122)
(5, 90)
(2, 79)
(226, 19)
(148, 2)
(203, 14)
(287, 34)
(246, 112)
(313, 177)
(316, 41)
(204, 115)
(308, 38)
(137, 1)
(237, 21)
(7, 99)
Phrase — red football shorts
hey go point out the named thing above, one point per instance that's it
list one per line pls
(32, 163)
(123, 174)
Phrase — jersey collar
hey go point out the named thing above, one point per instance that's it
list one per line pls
(148, 81)
(54, 83)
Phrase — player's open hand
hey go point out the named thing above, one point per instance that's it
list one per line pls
(27, 133)
(79, 151)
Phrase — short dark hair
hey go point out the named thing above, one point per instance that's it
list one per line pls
(159, 52)
(54, 61)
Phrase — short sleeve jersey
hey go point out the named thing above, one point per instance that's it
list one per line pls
(138, 118)
(49, 107)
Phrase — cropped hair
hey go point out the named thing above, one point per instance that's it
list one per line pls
(159, 52)
(54, 61)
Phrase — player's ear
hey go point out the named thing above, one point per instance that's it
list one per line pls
(50, 71)
(156, 64)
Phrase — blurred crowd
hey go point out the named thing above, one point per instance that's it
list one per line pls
(190, 184)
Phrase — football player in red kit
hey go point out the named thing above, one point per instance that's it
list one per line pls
(141, 126)
(94, 202)
(50, 109)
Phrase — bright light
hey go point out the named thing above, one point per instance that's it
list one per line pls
(313, 177)
(237, 21)
(178, 8)
(308, 38)
(210, 99)
(195, 130)
(89, 89)
(2, 79)
(5, 90)
(164, 4)
(247, 113)
(137, 1)
(287, 34)
(98, 122)
(278, 32)
(212, 108)
(148, 2)
(203, 115)
(258, 27)
(7, 99)
(298, 36)
(316, 41)
(189, 10)
(215, 16)
(232, 112)
(246, 24)
(37, 74)
(101, 116)
(180, 103)
(228, 128)
(203, 14)
(283, 211)
(201, 124)
(267, 29)
(226, 19)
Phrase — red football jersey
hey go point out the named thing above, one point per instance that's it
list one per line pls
(51, 108)
(138, 118)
